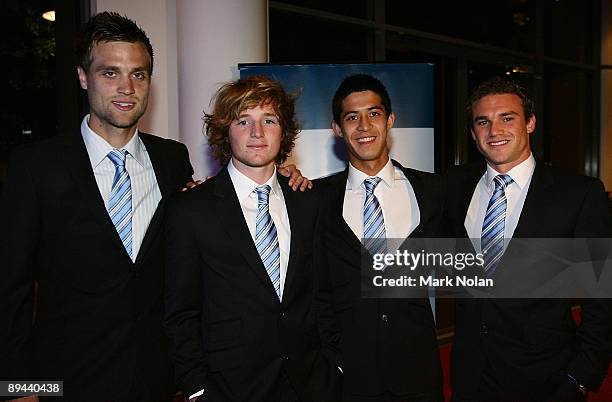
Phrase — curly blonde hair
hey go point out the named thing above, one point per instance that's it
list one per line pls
(237, 96)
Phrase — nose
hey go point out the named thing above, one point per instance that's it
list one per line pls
(496, 127)
(257, 131)
(364, 123)
(126, 86)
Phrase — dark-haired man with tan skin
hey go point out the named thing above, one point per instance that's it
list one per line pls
(389, 347)
(523, 350)
(243, 305)
(82, 214)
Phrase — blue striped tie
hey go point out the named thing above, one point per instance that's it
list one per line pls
(373, 220)
(494, 224)
(266, 239)
(120, 202)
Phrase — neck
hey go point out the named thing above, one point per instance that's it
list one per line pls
(504, 168)
(371, 168)
(259, 174)
(117, 137)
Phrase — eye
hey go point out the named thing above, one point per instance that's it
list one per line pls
(270, 120)
(109, 74)
(482, 123)
(350, 117)
(506, 119)
(375, 113)
(242, 122)
(140, 75)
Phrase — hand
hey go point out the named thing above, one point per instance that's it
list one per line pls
(192, 184)
(568, 391)
(296, 180)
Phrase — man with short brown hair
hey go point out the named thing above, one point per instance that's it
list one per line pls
(242, 301)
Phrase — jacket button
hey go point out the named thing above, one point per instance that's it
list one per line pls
(384, 317)
(285, 357)
(484, 329)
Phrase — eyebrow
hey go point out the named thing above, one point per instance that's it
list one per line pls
(504, 114)
(265, 114)
(375, 107)
(116, 68)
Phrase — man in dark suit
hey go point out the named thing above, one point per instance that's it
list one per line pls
(242, 260)
(389, 348)
(80, 215)
(523, 350)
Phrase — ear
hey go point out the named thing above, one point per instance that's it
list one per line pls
(337, 129)
(531, 124)
(82, 77)
(390, 120)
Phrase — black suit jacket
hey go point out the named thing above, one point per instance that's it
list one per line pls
(230, 335)
(527, 347)
(98, 324)
(387, 345)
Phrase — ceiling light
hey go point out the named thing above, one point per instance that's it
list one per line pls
(49, 15)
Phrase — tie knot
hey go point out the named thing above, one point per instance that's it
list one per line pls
(263, 194)
(370, 184)
(117, 156)
(502, 181)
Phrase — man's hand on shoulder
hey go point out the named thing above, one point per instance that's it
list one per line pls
(296, 180)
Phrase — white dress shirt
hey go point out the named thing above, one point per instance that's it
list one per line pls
(245, 190)
(395, 195)
(145, 191)
(515, 197)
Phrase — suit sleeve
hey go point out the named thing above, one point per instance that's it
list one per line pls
(19, 214)
(594, 335)
(328, 332)
(183, 299)
(187, 164)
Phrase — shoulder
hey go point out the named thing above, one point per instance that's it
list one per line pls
(466, 170)
(197, 201)
(569, 182)
(331, 180)
(307, 197)
(425, 182)
(166, 143)
(44, 153)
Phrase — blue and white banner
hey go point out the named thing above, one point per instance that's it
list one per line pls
(317, 152)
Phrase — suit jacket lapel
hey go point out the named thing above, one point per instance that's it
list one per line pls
(337, 192)
(231, 215)
(296, 222)
(464, 193)
(537, 194)
(419, 191)
(160, 167)
(78, 164)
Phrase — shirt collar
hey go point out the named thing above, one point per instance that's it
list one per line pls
(98, 148)
(245, 187)
(356, 176)
(520, 174)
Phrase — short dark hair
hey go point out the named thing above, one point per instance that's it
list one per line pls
(359, 83)
(109, 26)
(237, 96)
(498, 86)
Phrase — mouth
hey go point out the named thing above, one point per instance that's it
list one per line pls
(257, 147)
(124, 106)
(365, 140)
(498, 143)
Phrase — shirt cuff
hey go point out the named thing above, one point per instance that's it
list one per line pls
(194, 396)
